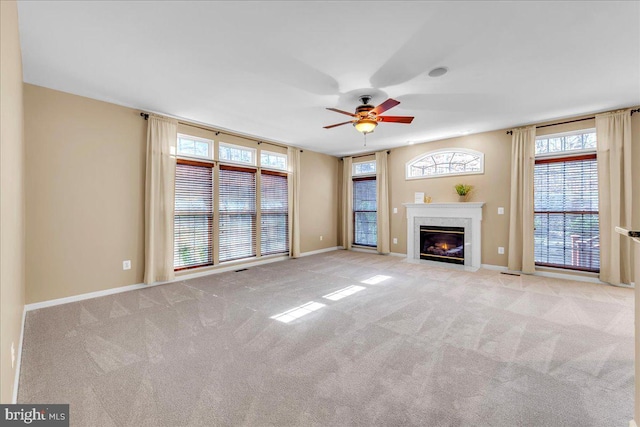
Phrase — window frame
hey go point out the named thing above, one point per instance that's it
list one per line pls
(454, 150)
(284, 175)
(235, 167)
(241, 147)
(211, 165)
(271, 168)
(354, 174)
(353, 180)
(565, 153)
(564, 157)
(199, 139)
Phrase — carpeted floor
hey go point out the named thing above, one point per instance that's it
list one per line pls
(425, 346)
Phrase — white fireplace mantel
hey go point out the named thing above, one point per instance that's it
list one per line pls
(464, 214)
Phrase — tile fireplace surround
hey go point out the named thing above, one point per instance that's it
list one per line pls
(467, 215)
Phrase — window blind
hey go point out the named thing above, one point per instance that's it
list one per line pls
(566, 213)
(365, 224)
(237, 213)
(193, 219)
(274, 213)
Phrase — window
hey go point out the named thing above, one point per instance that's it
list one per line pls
(237, 154)
(365, 224)
(570, 141)
(191, 146)
(566, 202)
(236, 196)
(457, 161)
(364, 168)
(237, 213)
(193, 218)
(274, 213)
(273, 160)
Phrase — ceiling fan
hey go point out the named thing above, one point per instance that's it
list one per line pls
(367, 116)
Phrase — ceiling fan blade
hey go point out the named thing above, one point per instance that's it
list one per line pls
(386, 105)
(342, 112)
(396, 119)
(339, 124)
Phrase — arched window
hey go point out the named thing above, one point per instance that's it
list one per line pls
(446, 162)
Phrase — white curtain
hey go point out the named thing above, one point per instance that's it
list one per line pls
(613, 131)
(382, 197)
(521, 252)
(159, 199)
(294, 201)
(347, 203)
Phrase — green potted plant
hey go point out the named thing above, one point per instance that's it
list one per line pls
(463, 191)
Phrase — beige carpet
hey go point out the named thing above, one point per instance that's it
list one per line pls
(426, 346)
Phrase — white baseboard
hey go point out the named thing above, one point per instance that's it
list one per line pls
(222, 269)
(365, 250)
(398, 254)
(16, 380)
(320, 251)
(494, 267)
(575, 277)
(558, 275)
(81, 297)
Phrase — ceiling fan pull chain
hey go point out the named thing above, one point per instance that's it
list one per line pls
(365, 139)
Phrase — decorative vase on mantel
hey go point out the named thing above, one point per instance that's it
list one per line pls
(463, 191)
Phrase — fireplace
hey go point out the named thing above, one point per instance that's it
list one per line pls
(467, 216)
(444, 244)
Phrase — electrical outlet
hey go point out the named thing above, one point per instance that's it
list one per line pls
(126, 265)
(395, 240)
(500, 250)
(500, 210)
(395, 210)
(321, 238)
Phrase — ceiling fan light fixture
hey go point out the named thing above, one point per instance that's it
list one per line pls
(365, 125)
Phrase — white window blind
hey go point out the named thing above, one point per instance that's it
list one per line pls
(365, 224)
(274, 213)
(237, 213)
(566, 213)
(193, 218)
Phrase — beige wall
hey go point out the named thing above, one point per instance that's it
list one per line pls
(492, 187)
(85, 193)
(12, 256)
(318, 201)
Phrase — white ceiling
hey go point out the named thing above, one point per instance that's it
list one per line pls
(269, 69)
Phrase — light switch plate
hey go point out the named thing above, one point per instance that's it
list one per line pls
(126, 265)
(500, 210)
(500, 250)
(395, 210)
(395, 240)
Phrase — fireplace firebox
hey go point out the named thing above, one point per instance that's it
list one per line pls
(444, 244)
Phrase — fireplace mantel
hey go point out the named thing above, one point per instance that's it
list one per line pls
(465, 214)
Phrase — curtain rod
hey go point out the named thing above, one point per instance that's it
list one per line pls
(217, 132)
(364, 155)
(510, 132)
